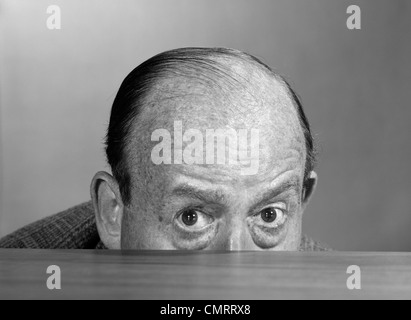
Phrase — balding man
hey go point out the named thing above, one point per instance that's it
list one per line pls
(209, 149)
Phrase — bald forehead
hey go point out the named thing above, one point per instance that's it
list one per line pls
(242, 94)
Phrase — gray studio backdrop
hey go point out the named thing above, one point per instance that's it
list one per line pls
(57, 87)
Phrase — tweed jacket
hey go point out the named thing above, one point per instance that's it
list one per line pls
(75, 228)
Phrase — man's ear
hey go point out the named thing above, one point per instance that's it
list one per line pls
(309, 188)
(108, 208)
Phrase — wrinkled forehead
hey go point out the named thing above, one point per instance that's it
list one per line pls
(249, 99)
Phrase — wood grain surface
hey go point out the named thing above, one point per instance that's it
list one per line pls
(202, 275)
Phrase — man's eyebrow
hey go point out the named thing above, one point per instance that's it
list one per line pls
(218, 196)
(290, 184)
(211, 196)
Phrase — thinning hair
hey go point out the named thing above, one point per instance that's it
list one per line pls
(137, 87)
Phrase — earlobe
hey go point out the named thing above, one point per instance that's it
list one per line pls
(309, 187)
(108, 208)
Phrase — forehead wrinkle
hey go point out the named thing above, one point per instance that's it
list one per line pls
(219, 109)
(270, 162)
(217, 193)
(217, 196)
(223, 175)
(293, 183)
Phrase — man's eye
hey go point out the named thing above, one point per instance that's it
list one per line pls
(194, 220)
(272, 216)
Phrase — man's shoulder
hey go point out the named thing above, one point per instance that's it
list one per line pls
(74, 228)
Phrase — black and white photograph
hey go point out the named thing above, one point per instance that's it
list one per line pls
(209, 156)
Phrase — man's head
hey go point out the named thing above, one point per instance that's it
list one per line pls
(170, 189)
